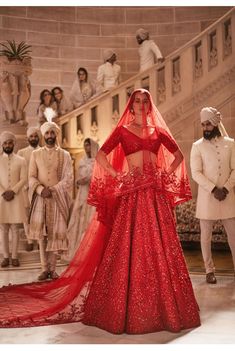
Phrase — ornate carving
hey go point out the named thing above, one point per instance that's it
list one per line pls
(213, 60)
(115, 118)
(80, 138)
(198, 69)
(94, 131)
(161, 93)
(228, 45)
(201, 96)
(176, 86)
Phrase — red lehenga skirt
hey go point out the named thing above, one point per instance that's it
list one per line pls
(129, 277)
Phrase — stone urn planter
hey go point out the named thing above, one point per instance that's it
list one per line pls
(15, 91)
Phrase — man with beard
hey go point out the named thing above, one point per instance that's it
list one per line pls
(33, 136)
(213, 168)
(12, 179)
(50, 185)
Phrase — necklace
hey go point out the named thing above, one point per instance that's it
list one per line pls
(137, 125)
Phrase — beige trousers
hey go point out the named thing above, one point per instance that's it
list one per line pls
(206, 236)
(48, 258)
(26, 230)
(4, 229)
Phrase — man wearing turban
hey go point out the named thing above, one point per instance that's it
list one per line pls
(50, 186)
(213, 168)
(12, 179)
(108, 74)
(33, 136)
(148, 50)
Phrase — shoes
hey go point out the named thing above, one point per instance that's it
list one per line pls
(29, 247)
(210, 278)
(43, 276)
(53, 275)
(5, 262)
(15, 262)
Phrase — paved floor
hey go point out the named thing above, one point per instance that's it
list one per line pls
(217, 310)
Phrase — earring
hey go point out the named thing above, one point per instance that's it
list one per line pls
(132, 117)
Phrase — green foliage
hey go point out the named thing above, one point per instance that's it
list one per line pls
(15, 52)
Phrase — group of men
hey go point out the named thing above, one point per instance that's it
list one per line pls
(108, 74)
(36, 186)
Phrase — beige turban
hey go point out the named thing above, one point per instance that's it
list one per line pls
(142, 33)
(45, 127)
(214, 117)
(32, 130)
(7, 136)
(108, 53)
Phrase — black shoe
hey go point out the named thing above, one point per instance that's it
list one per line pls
(43, 276)
(29, 247)
(210, 278)
(15, 262)
(5, 262)
(53, 275)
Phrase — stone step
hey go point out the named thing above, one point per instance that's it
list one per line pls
(31, 265)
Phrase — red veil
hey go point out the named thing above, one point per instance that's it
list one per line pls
(104, 189)
(63, 300)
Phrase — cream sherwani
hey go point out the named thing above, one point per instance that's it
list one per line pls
(13, 176)
(49, 217)
(108, 75)
(213, 164)
(148, 50)
(26, 154)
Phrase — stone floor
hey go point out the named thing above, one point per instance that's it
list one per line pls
(217, 310)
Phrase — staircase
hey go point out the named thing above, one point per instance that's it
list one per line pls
(200, 73)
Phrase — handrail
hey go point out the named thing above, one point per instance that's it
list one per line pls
(174, 87)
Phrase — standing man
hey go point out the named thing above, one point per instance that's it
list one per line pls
(13, 176)
(148, 50)
(50, 185)
(33, 135)
(108, 74)
(213, 168)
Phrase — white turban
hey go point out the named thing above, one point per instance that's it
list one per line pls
(108, 53)
(45, 127)
(142, 33)
(214, 117)
(32, 130)
(7, 136)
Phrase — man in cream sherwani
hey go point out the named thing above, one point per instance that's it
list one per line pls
(50, 186)
(33, 136)
(213, 168)
(108, 74)
(149, 52)
(13, 176)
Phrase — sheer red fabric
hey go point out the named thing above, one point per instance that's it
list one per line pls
(129, 273)
(153, 150)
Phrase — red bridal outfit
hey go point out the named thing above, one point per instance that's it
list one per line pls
(129, 274)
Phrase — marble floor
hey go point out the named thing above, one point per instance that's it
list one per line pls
(217, 310)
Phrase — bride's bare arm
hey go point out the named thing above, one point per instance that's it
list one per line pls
(178, 159)
(102, 160)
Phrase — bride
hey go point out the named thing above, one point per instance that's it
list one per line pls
(128, 274)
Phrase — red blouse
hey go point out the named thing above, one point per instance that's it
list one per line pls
(132, 143)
